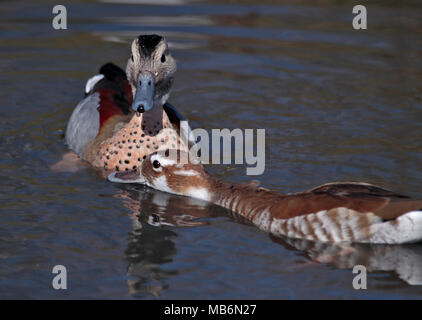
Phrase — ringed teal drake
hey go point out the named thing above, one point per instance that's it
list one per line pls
(333, 212)
(125, 116)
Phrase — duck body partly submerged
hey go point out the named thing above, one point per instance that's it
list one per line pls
(125, 116)
(334, 212)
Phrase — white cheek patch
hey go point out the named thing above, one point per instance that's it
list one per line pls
(161, 184)
(159, 169)
(164, 161)
(186, 173)
(199, 193)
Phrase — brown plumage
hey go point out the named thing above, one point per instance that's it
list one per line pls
(333, 212)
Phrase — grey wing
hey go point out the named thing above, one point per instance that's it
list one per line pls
(84, 124)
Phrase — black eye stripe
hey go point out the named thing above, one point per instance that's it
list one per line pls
(163, 58)
(131, 57)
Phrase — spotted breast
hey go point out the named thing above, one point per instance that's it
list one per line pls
(125, 116)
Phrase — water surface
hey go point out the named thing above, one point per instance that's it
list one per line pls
(337, 104)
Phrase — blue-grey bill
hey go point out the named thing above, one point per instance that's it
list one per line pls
(144, 95)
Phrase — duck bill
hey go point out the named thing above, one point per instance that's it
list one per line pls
(131, 176)
(144, 96)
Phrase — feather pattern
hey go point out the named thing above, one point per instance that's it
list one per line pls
(333, 212)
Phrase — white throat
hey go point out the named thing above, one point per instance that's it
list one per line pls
(195, 192)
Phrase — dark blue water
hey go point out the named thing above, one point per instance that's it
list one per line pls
(337, 104)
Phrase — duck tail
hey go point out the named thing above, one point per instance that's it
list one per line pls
(407, 228)
(109, 71)
(90, 84)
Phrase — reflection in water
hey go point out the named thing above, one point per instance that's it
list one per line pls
(162, 209)
(150, 244)
(405, 260)
(147, 251)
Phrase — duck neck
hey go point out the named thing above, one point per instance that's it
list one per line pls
(155, 114)
(151, 120)
(239, 198)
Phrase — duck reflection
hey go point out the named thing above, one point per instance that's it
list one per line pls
(404, 260)
(156, 215)
(151, 241)
(160, 209)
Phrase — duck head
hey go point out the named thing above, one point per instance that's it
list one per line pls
(173, 171)
(150, 71)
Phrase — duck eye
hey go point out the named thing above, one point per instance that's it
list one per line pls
(156, 164)
(131, 57)
(163, 58)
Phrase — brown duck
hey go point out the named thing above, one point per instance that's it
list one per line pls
(333, 212)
